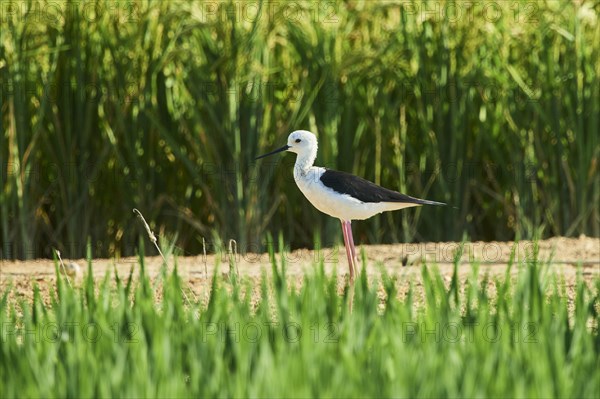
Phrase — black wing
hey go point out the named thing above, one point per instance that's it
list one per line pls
(365, 191)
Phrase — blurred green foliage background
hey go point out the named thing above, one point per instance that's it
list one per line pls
(490, 106)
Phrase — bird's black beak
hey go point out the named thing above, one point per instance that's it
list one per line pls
(285, 147)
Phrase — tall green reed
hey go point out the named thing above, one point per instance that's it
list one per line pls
(491, 107)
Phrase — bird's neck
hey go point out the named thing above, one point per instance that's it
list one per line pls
(305, 162)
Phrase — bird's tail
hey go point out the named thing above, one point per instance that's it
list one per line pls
(427, 202)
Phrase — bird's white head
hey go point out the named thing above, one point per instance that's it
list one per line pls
(303, 143)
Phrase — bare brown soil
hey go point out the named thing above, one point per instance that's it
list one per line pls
(563, 256)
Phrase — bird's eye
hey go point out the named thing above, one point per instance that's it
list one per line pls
(298, 140)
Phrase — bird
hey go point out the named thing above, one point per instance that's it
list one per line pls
(340, 194)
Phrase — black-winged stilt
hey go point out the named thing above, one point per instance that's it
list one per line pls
(340, 194)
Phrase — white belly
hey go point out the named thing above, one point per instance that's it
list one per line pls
(341, 206)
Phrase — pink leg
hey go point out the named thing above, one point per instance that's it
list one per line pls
(351, 243)
(348, 250)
